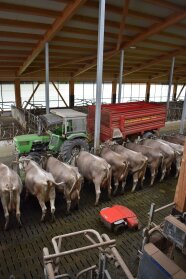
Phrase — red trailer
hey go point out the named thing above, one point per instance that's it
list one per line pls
(133, 118)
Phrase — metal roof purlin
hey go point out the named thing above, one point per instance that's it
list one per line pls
(66, 15)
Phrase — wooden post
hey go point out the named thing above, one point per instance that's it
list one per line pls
(174, 92)
(180, 194)
(71, 93)
(114, 87)
(147, 95)
(17, 93)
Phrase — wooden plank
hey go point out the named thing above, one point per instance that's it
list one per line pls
(180, 194)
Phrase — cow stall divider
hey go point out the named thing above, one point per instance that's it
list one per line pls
(105, 246)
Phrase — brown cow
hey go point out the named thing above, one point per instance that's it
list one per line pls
(178, 139)
(10, 190)
(137, 162)
(118, 165)
(167, 152)
(69, 175)
(95, 169)
(178, 153)
(154, 158)
(40, 183)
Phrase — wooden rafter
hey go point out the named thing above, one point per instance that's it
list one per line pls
(65, 16)
(93, 63)
(122, 24)
(180, 68)
(157, 60)
(170, 20)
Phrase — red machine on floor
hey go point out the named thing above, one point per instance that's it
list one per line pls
(118, 217)
(130, 118)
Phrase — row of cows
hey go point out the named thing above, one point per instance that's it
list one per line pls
(114, 160)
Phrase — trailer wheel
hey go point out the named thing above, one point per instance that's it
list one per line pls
(73, 147)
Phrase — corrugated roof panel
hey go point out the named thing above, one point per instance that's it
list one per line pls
(26, 17)
(45, 4)
(151, 9)
(21, 30)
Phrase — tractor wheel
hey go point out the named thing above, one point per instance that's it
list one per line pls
(35, 156)
(148, 135)
(73, 147)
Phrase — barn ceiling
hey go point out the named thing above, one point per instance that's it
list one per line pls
(150, 31)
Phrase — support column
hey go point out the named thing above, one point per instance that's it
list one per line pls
(17, 93)
(71, 93)
(183, 116)
(147, 94)
(101, 28)
(180, 194)
(170, 83)
(174, 92)
(47, 77)
(114, 87)
(120, 75)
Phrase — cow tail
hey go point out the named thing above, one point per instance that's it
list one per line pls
(11, 200)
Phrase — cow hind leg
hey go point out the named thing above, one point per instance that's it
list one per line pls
(43, 208)
(98, 192)
(163, 173)
(153, 175)
(52, 196)
(6, 213)
(18, 214)
(135, 181)
(116, 184)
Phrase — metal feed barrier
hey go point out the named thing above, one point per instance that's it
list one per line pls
(107, 254)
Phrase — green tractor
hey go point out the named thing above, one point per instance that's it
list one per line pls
(63, 131)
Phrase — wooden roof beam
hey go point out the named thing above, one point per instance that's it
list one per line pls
(65, 16)
(93, 63)
(181, 68)
(122, 24)
(157, 60)
(156, 28)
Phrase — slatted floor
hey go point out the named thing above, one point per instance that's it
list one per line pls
(21, 249)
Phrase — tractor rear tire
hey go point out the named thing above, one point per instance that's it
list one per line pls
(73, 147)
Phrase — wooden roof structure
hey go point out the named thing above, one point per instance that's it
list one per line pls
(150, 31)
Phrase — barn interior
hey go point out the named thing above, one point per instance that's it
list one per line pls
(68, 54)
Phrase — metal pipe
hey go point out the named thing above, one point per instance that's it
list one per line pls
(170, 83)
(47, 77)
(183, 116)
(119, 259)
(81, 249)
(99, 73)
(164, 207)
(120, 75)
